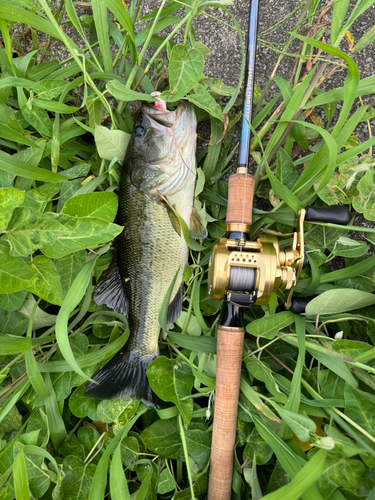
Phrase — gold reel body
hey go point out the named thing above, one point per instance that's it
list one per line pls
(247, 272)
(273, 268)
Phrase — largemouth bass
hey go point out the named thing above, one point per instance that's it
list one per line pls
(158, 172)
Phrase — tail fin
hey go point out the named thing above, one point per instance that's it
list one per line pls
(125, 376)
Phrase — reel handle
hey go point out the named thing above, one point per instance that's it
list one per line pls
(336, 214)
(298, 305)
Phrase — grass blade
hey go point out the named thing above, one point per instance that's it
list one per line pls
(99, 10)
(303, 480)
(291, 463)
(118, 485)
(71, 301)
(21, 481)
(99, 483)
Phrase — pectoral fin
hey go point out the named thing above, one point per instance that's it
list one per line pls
(109, 290)
(174, 219)
(175, 307)
(197, 229)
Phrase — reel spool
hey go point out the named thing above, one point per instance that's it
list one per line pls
(247, 272)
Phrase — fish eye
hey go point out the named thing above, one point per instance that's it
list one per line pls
(139, 131)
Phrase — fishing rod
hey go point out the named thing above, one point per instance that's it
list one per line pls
(243, 273)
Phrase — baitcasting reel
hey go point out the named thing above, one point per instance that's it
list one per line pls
(245, 272)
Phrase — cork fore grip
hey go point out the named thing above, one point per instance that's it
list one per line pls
(228, 374)
(240, 201)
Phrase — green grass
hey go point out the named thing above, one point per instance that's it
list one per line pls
(64, 128)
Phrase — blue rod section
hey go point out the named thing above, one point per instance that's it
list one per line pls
(244, 148)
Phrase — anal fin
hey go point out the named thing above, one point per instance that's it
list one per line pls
(109, 289)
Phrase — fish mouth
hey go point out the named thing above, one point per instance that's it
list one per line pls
(158, 113)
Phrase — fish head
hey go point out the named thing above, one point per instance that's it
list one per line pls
(161, 155)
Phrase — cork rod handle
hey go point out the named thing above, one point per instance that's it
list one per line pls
(228, 373)
(240, 201)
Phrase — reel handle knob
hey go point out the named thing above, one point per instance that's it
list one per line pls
(299, 304)
(336, 214)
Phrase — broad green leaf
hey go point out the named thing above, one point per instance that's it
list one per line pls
(364, 202)
(166, 482)
(88, 437)
(261, 371)
(345, 247)
(173, 380)
(256, 445)
(338, 301)
(286, 172)
(122, 93)
(111, 143)
(269, 326)
(49, 89)
(68, 267)
(9, 199)
(39, 475)
(203, 99)
(300, 425)
(129, 450)
(80, 233)
(47, 281)
(28, 231)
(199, 446)
(359, 408)
(163, 437)
(101, 205)
(78, 478)
(12, 422)
(94, 108)
(41, 318)
(81, 405)
(185, 71)
(39, 119)
(339, 472)
(12, 323)
(111, 410)
(13, 301)
(37, 199)
(193, 327)
(14, 273)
